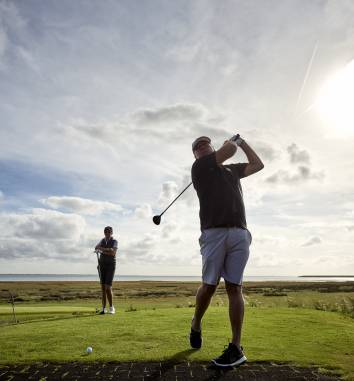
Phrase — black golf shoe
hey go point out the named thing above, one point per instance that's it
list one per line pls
(231, 356)
(103, 311)
(195, 339)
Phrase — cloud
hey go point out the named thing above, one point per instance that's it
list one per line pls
(184, 53)
(126, 120)
(286, 177)
(171, 189)
(303, 171)
(10, 14)
(171, 114)
(182, 122)
(168, 193)
(104, 131)
(143, 211)
(28, 58)
(81, 205)
(3, 42)
(160, 127)
(350, 213)
(34, 249)
(139, 251)
(298, 156)
(265, 151)
(159, 249)
(267, 259)
(169, 230)
(43, 234)
(11, 22)
(3, 34)
(312, 241)
(42, 224)
(268, 240)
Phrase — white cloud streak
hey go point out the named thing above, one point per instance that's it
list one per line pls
(312, 241)
(81, 205)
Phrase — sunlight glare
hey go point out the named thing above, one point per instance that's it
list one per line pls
(335, 102)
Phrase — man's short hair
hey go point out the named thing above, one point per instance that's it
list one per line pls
(108, 229)
(200, 139)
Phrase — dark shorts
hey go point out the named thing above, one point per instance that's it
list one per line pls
(108, 269)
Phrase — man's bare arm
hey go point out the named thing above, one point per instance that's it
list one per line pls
(107, 251)
(225, 152)
(255, 164)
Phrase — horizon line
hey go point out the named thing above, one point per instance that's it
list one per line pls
(77, 274)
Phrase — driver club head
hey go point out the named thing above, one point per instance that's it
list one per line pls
(157, 220)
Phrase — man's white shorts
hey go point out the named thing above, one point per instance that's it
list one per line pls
(225, 253)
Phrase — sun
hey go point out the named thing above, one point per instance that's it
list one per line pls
(335, 101)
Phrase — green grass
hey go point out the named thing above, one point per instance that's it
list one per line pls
(44, 311)
(342, 302)
(299, 322)
(297, 335)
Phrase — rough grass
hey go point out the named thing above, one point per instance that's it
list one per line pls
(58, 291)
(326, 296)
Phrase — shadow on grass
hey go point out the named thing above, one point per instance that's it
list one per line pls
(180, 357)
(56, 318)
(171, 362)
(183, 355)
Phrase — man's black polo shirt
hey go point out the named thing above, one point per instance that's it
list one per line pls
(219, 192)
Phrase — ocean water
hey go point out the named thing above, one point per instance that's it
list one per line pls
(94, 278)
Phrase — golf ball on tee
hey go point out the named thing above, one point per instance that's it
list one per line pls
(89, 349)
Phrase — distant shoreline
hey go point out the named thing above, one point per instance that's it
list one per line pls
(180, 276)
(326, 276)
(169, 278)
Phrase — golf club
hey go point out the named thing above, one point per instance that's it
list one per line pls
(99, 271)
(98, 263)
(157, 219)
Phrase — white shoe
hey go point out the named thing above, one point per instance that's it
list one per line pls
(112, 310)
(103, 311)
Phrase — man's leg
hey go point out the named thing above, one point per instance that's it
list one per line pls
(109, 295)
(212, 248)
(233, 355)
(238, 243)
(203, 298)
(236, 311)
(103, 288)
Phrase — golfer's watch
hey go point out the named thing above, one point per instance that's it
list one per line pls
(237, 139)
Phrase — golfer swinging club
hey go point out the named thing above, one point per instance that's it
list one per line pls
(225, 239)
(107, 266)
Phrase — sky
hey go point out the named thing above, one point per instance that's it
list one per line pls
(100, 102)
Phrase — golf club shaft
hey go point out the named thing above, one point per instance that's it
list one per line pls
(98, 265)
(233, 138)
(177, 198)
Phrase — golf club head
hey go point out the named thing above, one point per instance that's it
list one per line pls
(157, 220)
